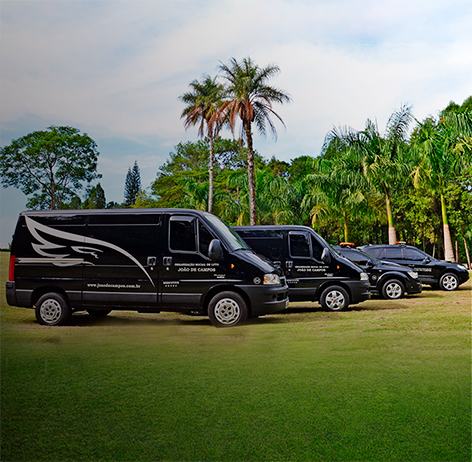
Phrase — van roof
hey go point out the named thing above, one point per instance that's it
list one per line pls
(111, 211)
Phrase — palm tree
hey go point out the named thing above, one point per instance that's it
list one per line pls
(446, 148)
(203, 104)
(385, 159)
(250, 99)
(337, 191)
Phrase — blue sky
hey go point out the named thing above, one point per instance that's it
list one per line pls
(115, 70)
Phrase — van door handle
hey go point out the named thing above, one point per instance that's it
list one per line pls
(167, 261)
(151, 261)
(289, 264)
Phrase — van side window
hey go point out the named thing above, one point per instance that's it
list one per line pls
(299, 245)
(204, 238)
(182, 235)
(317, 248)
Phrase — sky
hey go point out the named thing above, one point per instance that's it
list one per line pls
(115, 70)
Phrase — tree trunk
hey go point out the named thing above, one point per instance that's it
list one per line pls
(250, 174)
(448, 252)
(345, 230)
(392, 235)
(457, 251)
(210, 174)
(467, 253)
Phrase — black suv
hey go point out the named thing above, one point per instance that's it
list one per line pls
(389, 280)
(436, 273)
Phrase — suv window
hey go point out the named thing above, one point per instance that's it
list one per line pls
(394, 253)
(412, 254)
(377, 253)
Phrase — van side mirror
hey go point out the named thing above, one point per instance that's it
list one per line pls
(370, 263)
(215, 251)
(326, 256)
(427, 260)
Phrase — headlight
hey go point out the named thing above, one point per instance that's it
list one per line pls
(271, 279)
(413, 274)
(461, 267)
(364, 277)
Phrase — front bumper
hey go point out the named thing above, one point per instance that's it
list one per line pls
(267, 299)
(360, 291)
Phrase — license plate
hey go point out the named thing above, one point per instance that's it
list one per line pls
(287, 302)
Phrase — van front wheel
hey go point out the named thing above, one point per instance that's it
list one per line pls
(53, 309)
(334, 298)
(227, 309)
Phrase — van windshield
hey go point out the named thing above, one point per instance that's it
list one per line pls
(230, 237)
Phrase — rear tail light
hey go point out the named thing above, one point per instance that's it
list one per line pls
(11, 271)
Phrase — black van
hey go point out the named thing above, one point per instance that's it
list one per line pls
(148, 260)
(314, 271)
(387, 279)
(438, 274)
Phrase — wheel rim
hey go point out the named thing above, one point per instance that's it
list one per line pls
(393, 290)
(335, 300)
(450, 282)
(227, 311)
(50, 311)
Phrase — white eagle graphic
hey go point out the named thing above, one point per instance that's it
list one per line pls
(82, 244)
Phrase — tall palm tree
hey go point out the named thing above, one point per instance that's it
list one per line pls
(385, 157)
(250, 99)
(446, 148)
(203, 103)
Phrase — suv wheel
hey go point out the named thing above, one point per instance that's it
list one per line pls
(393, 289)
(449, 281)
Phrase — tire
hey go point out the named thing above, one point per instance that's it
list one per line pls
(53, 309)
(98, 313)
(393, 289)
(334, 298)
(227, 309)
(449, 281)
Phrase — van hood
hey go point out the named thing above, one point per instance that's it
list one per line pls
(259, 261)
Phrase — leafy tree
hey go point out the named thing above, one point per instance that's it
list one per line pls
(203, 103)
(51, 165)
(132, 184)
(95, 198)
(250, 99)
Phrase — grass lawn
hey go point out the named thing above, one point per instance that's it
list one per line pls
(386, 381)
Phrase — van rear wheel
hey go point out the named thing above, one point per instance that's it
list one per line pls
(53, 309)
(334, 298)
(227, 309)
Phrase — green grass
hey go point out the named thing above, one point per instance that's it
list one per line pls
(387, 381)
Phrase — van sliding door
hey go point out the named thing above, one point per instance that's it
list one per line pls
(124, 269)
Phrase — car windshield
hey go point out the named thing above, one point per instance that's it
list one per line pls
(230, 237)
(369, 257)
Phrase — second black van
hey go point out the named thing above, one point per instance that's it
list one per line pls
(313, 270)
